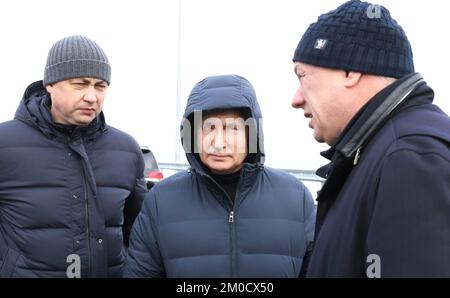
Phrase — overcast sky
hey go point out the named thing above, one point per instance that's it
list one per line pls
(153, 55)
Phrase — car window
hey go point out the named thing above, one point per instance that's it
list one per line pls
(149, 159)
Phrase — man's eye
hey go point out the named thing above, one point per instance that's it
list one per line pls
(78, 84)
(232, 128)
(209, 127)
(301, 76)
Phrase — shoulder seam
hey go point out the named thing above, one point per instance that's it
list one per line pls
(416, 152)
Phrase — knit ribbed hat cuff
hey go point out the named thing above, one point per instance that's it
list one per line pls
(77, 69)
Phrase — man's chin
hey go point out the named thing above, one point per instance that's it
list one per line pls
(84, 121)
(220, 169)
(318, 137)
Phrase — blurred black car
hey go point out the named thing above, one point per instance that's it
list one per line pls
(152, 173)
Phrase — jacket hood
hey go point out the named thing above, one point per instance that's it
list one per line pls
(222, 93)
(34, 110)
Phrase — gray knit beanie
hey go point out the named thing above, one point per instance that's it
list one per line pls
(75, 57)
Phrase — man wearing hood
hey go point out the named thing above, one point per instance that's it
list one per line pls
(228, 215)
(70, 185)
(384, 210)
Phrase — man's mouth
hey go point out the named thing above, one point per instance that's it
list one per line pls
(216, 155)
(309, 116)
(87, 111)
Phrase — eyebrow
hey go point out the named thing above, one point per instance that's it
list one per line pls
(88, 81)
(297, 70)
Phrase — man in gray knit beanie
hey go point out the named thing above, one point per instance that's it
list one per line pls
(76, 63)
(70, 185)
(76, 57)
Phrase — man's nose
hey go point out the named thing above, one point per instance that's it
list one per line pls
(298, 101)
(90, 95)
(219, 141)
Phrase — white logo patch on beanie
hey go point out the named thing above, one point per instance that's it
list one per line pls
(320, 44)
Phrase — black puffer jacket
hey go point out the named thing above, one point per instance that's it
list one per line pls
(63, 191)
(190, 227)
(384, 210)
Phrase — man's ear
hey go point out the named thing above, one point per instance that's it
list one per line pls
(49, 88)
(352, 79)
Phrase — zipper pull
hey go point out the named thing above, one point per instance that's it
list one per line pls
(231, 218)
(357, 156)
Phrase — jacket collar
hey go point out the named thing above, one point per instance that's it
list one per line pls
(370, 119)
(34, 110)
(247, 178)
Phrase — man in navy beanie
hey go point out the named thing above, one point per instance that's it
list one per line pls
(384, 210)
(70, 185)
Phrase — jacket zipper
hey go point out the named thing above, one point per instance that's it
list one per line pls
(231, 218)
(233, 235)
(231, 221)
(357, 156)
(87, 225)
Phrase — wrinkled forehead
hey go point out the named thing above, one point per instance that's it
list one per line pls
(224, 114)
(90, 80)
(300, 67)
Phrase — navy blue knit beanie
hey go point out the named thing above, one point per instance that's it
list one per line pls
(357, 36)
